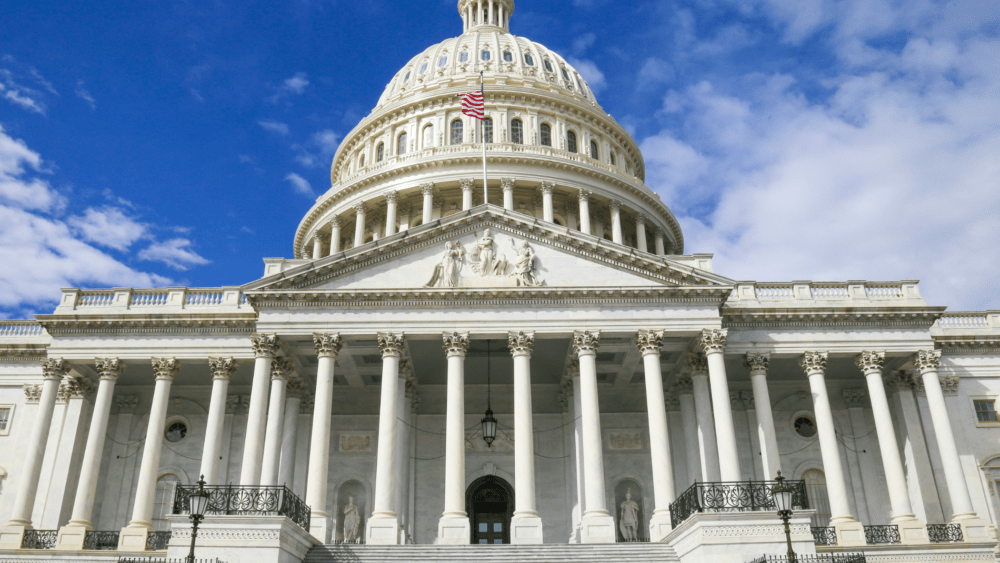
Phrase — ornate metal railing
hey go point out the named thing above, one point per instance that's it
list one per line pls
(636, 540)
(95, 539)
(824, 535)
(39, 539)
(875, 535)
(247, 501)
(157, 541)
(941, 533)
(164, 560)
(739, 496)
(813, 558)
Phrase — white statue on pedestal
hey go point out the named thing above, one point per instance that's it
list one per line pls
(352, 522)
(629, 521)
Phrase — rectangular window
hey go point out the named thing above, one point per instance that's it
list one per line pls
(986, 410)
(6, 412)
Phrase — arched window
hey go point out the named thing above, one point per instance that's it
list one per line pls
(428, 136)
(507, 56)
(566, 76)
(517, 131)
(548, 65)
(406, 78)
(401, 145)
(423, 68)
(488, 129)
(528, 60)
(571, 141)
(611, 155)
(593, 150)
(443, 60)
(380, 152)
(485, 55)
(546, 135)
(464, 57)
(456, 132)
(819, 498)
(361, 161)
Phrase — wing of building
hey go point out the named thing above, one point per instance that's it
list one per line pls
(534, 362)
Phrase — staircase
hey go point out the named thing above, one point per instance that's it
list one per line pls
(546, 553)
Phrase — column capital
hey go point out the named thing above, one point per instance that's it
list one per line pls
(264, 345)
(586, 342)
(307, 253)
(649, 341)
(466, 184)
(405, 369)
(615, 205)
(658, 232)
(640, 217)
(166, 368)
(75, 388)
(335, 222)
(222, 368)
(237, 404)
(456, 343)
(683, 384)
(360, 208)
(327, 345)
(521, 343)
(757, 362)
(671, 402)
(322, 237)
(54, 369)
(427, 188)
(547, 187)
(897, 380)
(814, 363)
(391, 344)
(949, 384)
(696, 363)
(391, 196)
(296, 387)
(32, 393)
(854, 398)
(573, 369)
(870, 362)
(282, 368)
(713, 340)
(109, 369)
(126, 403)
(584, 195)
(927, 360)
(507, 183)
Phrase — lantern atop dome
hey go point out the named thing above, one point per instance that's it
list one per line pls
(485, 13)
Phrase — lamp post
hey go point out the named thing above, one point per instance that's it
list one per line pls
(783, 501)
(199, 502)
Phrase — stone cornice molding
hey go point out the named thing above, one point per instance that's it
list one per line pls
(327, 345)
(265, 345)
(521, 343)
(757, 363)
(456, 343)
(222, 368)
(585, 342)
(840, 317)
(126, 403)
(391, 344)
(713, 340)
(54, 369)
(696, 363)
(166, 368)
(854, 398)
(814, 363)
(683, 384)
(110, 369)
(649, 341)
(927, 360)
(870, 362)
(141, 322)
(23, 352)
(282, 368)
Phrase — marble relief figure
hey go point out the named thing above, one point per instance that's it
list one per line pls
(629, 520)
(524, 266)
(352, 522)
(487, 263)
(446, 271)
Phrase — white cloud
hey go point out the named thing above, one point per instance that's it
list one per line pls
(84, 95)
(107, 227)
(319, 151)
(25, 193)
(274, 126)
(296, 84)
(654, 72)
(589, 71)
(20, 95)
(175, 253)
(300, 184)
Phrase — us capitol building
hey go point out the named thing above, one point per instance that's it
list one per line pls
(640, 404)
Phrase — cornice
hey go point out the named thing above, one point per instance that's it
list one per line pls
(834, 317)
(217, 323)
(23, 352)
(968, 344)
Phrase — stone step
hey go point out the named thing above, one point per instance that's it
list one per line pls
(546, 553)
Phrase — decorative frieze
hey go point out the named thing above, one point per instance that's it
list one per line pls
(521, 343)
(456, 344)
(649, 341)
(222, 368)
(264, 345)
(110, 369)
(814, 363)
(756, 362)
(166, 368)
(327, 345)
(586, 342)
(356, 442)
(391, 344)
(870, 362)
(713, 341)
(623, 440)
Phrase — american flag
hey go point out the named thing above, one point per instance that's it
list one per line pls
(473, 105)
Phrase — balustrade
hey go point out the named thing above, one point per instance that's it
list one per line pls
(813, 558)
(244, 501)
(101, 540)
(741, 496)
(21, 328)
(944, 533)
(882, 534)
(39, 539)
(157, 541)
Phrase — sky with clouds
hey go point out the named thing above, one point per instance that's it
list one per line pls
(178, 143)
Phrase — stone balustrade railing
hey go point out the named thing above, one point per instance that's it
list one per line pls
(167, 299)
(21, 329)
(965, 322)
(809, 293)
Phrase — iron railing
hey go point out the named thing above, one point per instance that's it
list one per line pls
(875, 535)
(636, 540)
(232, 500)
(39, 539)
(813, 558)
(95, 539)
(824, 535)
(735, 496)
(164, 560)
(942, 533)
(157, 541)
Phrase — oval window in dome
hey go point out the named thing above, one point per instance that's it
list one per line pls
(548, 65)
(423, 68)
(443, 61)
(565, 75)
(507, 56)
(406, 78)
(528, 60)
(486, 55)
(463, 58)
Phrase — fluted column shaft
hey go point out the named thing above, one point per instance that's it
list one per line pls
(359, 224)
(290, 432)
(428, 210)
(616, 223)
(456, 345)
(640, 232)
(649, 343)
(142, 512)
(390, 213)
(707, 446)
(280, 372)
(466, 194)
(584, 198)
(658, 242)
(521, 345)
(757, 365)
(598, 525)
(265, 348)
(334, 236)
(222, 371)
(508, 193)
(327, 348)
(385, 470)
(814, 364)
(547, 212)
(714, 342)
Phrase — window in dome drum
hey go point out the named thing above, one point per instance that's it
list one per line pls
(611, 155)
(380, 152)
(443, 61)
(528, 60)
(423, 68)
(406, 78)
(464, 57)
(571, 141)
(564, 73)
(517, 132)
(593, 150)
(456, 132)
(548, 65)
(488, 129)
(546, 135)
(507, 56)
(401, 147)
(486, 55)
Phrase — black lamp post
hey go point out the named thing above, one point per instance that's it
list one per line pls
(489, 423)
(199, 502)
(783, 501)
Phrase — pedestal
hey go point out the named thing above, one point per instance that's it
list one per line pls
(738, 537)
(525, 530)
(912, 531)
(133, 538)
(850, 532)
(454, 531)
(71, 538)
(382, 531)
(11, 537)
(321, 527)
(974, 530)
(597, 528)
(659, 527)
(270, 539)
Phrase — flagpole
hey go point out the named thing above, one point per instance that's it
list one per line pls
(482, 122)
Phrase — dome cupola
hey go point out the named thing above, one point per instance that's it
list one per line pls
(477, 14)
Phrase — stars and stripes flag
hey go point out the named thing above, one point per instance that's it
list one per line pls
(473, 104)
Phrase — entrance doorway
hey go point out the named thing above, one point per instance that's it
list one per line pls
(489, 501)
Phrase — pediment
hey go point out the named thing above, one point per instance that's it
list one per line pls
(488, 248)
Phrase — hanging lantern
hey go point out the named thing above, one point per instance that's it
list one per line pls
(489, 423)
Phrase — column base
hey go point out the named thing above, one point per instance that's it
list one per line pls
(597, 528)
(454, 530)
(320, 526)
(973, 528)
(12, 536)
(525, 530)
(133, 538)
(383, 530)
(659, 526)
(71, 538)
(912, 531)
(850, 532)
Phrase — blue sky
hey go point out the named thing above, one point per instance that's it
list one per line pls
(178, 143)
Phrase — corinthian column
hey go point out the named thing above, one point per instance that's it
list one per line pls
(294, 391)
(658, 241)
(327, 348)
(133, 537)
(649, 342)
(334, 235)
(584, 198)
(713, 342)
(526, 525)
(683, 389)
(757, 364)
(390, 212)
(547, 213)
(849, 530)
(383, 526)
(281, 371)
(453, 528)
(616, 222)
(508, 193)
(317, 252)
(640, 231)
(265, 348)
(428, 211)
(598, 524)
(697, 366)
(359, 223)
(71, 535)
(222, 372)
(466, 184)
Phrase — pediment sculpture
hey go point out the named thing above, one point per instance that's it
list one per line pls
(489, 268)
